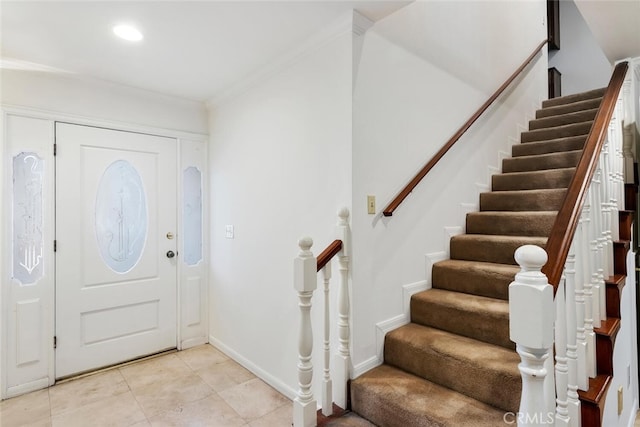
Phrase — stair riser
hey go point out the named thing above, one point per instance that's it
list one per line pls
(534, 180)
(552, 146)
(532, 225)
(543, 200)
(489, 284)
(492, 328)
(568, 108)
(486, 251)
(592, 94)
(543, 162)
(565, 119)
(557, 132)
(494, 388)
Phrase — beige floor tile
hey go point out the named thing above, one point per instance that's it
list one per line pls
(210, 411)
(202, 356)
(225, 375)
(253, 399)
(170, 394)
(281, 417)
(154, 371)
(121, 410)
(30, 409)
(144, 423)
(74, 394)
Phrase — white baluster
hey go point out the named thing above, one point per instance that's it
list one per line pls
(327, 392)
(530, 296)
(581, 339)
(588, 290)
(628, 123)
(573, 401)
(343, 358)
(562, 370)
(305, 282)
(607, 210)
(595, 253)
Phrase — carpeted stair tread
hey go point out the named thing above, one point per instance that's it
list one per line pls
(523, 200)
(573, 129)
(571, 107)
(568, 99)
(390, 397)
(487, 248)
(481, 318)
(533, 180)
(479, 278)
(564, 159)
(508, 223)
(563, 119)
(570, 143)
(485, 372)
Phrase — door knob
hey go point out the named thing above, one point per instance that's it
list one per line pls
(170, 254)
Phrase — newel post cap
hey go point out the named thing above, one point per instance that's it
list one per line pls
(305, 277)
(531, 309)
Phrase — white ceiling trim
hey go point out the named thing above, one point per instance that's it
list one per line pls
(352, 22)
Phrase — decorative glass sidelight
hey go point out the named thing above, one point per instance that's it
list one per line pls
(121, 216)
(192, 215)
(28, 172)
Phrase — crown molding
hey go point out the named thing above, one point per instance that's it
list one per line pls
(361, 23)
(351, 22)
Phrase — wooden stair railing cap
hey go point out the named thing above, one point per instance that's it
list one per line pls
(326, 255)
(388, 211)
(566, 221)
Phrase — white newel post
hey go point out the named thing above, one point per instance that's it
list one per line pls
(531, 311)
(305, 282)
(343, 358)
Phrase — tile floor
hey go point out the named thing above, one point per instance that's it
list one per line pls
(196, 387)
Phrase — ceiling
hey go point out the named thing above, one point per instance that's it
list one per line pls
(191, 49)
(615, 24)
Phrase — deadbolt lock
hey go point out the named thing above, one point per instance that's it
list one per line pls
(169, 235)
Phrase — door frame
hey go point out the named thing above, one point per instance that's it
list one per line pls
(191, 150)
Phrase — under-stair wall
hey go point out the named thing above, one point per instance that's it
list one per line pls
(415, 85)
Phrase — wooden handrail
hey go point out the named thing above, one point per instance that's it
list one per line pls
(566, 222)
(388, 211)
(326, 255)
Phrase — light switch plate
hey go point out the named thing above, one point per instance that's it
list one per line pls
(371, 205)
(229, 234)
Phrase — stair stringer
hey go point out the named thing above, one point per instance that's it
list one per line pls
(395, 322)
(385, 326)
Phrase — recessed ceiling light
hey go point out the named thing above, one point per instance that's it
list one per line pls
(127, 32)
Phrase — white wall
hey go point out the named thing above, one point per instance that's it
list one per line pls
(625, 358)
(92, 98)
(422, 72)
(581, 61)
(280, 167)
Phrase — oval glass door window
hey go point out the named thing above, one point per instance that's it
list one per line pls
(121, 216)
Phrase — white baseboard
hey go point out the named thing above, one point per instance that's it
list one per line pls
(365, 366)
(259, 372)
(632, 418)
(386, 326)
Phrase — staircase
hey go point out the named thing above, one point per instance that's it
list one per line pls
(454, 364)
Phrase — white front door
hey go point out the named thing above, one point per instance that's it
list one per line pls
(115, 264)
